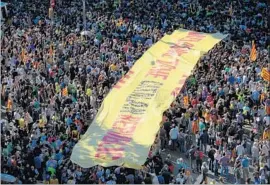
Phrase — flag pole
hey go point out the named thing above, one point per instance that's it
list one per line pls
(84, 16)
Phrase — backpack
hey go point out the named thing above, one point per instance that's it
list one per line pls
(205, 170)
(192, 154)
(210, 153)
(197, 155)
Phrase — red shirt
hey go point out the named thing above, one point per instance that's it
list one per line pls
(125, 48)
(194, 102)
(209, 98)
(200, 153)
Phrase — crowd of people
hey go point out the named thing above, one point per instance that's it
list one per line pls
(54, 78)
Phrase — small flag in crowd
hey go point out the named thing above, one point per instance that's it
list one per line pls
(35, 64)
(253, 53)
(50, 13)
(65, 91)
(3, 90)
(51, 50)
(265, 74)
(9, 105)
(185, 101)
(266, 134)
(23, 55)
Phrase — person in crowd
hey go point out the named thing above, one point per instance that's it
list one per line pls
(162, 138)
(224, 163)
(204, 140)
(181, 139)
(204, 171)
(199, 158)
(245, 167)
(211, 156)
(255, 153)
(174, 136)
(237, 173)
(191, 155)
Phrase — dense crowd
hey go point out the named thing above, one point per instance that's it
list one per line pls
(53, 80)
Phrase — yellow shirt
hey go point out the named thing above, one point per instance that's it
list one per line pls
(57, 88)
(88, 92)
(74, 133)
(21, 123)
(113, 67)
(41, 123)
(266, 134)
(187, 115)
(207, 117)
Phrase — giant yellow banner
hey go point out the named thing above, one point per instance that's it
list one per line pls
(127, 122)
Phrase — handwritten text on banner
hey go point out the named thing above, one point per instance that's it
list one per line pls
(128, 120)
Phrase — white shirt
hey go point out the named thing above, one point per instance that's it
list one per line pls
(255, 151)
(155, 179)
(265, 150)
(244, 79)
(266, 120)
(17, 116)
(240, 150)
(234, 71)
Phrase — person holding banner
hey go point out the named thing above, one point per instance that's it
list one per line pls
(174, 135)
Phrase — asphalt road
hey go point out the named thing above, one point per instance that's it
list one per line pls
(197, 177)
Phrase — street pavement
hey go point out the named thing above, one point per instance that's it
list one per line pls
(197, 177)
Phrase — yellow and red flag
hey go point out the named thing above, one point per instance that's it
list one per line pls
(253, 53)
(51, 50)
(9, 105)
(65, 91)
(23, 55)
(186, 101)
(265, 74)
(266, 134)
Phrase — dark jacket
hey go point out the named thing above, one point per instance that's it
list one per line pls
(204, 138)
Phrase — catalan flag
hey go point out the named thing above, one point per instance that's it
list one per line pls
(265, 74)
(9, 105)
(65, 91)
(262, 97)
(35, 64)
(23, 55)
(253, 53)
(266, 134)
(51, 50)
(186, 101)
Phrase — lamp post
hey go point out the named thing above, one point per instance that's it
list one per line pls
(51, 15)
(84, 16)
(52, 5)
